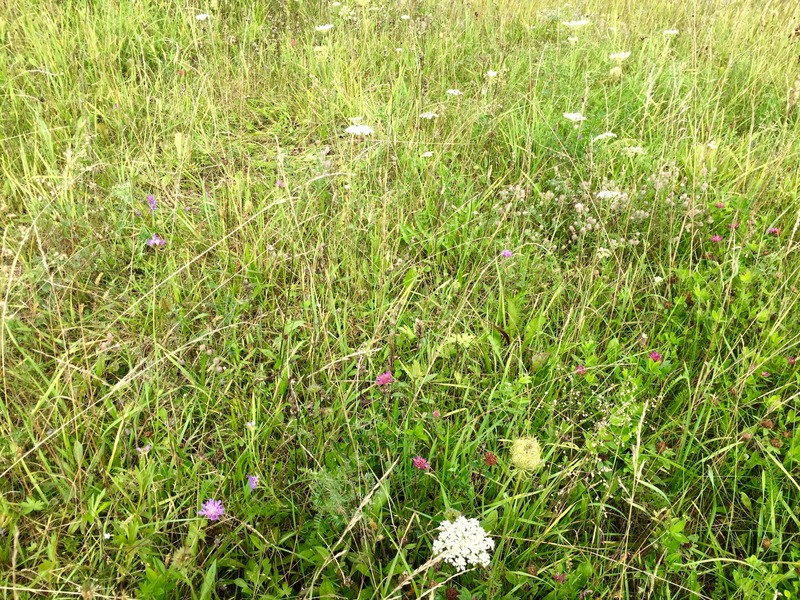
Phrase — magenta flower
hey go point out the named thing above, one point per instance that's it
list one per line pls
(765, 374)
(716, 238)
(655, 356)
(143, 449)
(252, 481)
(580, 370)
(152, 201)
(720, 205)
(436, 414)
(384, 379)
(156, 241)
(212, 510)
(774, 231)
(506, 254)
(279, 183)
(792, 360)
(420, 463)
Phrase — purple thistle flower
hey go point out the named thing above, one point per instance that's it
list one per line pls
(212, 510)
(152, 201)
(384, 379)
(156, 241)
(252, 481)
(506, 254)
(655, 356)
(716, 238)
(420, 463)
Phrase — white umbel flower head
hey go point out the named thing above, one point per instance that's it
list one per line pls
(491, 74)
(326, 27)
(429, 116)
(359, 130)
(608, 135)
(201, 16)
(453, 92)
(619, 56)
(576, 24)
(671, 32)
(575, 118)
(463, 543)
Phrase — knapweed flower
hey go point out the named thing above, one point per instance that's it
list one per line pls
(774, 231)
(201, 16)
(716, 239)
(212, 510)
(463, 543)
(619, 56)
(655, 356)
(580, 370)
(608, 135)
(323, 28)
(576, 24)
(454, 92)
(506, 254)
(575, 118)
(420, 463)
(252, 481)
(429, 116)
(526, 454)
(151, 200)
(156, 241)
(359, 130)
(670, 32)
(384, 379)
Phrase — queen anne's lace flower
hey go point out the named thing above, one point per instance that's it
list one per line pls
(463, 543)
(359, 130)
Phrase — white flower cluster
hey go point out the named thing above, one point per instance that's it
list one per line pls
(463, 543)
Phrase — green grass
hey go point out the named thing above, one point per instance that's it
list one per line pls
(300, 263)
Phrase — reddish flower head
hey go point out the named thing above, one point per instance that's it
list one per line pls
(716, 239)
(490, 459)
(774, 231)
(384, 379)
(792, 360)
(580, 370)
(655, 356)
(420, 463)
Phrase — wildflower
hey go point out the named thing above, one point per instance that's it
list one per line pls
(144, 449)
(608, 135)
(491, 74)
(774, 231)
(490, 459)
(398, 50)
(608, 195)
(658, 280)
(792, 360)
(765, 374)
(576, 24)
(560, 577)
(619, 56)
(716, 238)
(201, 16)
(655, 356)
(156, 241)
(575, 118)
(106, 536)
(670, 32)
(152, 201)
(733, 226)
(323, 28)
(526, 454)
(212, 510)
(427, 154)
(573, 39)
(454, 92)
(250, 424)
(463, 543)
(720, 205)
(420, 463)
(279, 183)
(336, 4)
(615, 73)
(405, 17)
(633, 150)
(252, 481)
(506, 254)
(436, 414)
(384, 379)
(580, 370)
(360, 130)
(429, 116)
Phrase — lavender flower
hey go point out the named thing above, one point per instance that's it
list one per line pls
(384, 379)
(151, 200)
(506, 254)
(212, 510)
(156, 241)
(252, 481)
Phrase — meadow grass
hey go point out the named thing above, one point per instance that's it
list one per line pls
(630, 301)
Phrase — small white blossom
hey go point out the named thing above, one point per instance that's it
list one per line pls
(608, 135)
(201, 16)
(106, 536)
(360, 130)
(575, 118)
(428, 116)
(608, 195)
(619, 56)
(326, 27)
(491, 73)
(657, 280)
(463, 543)
(633, 150)
(427, 154)
(398, 50)
(454, 92)
(336, 4)
(671, 32)
(405, 17)
(576, 24)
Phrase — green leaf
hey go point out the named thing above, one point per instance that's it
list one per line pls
(208, 581)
